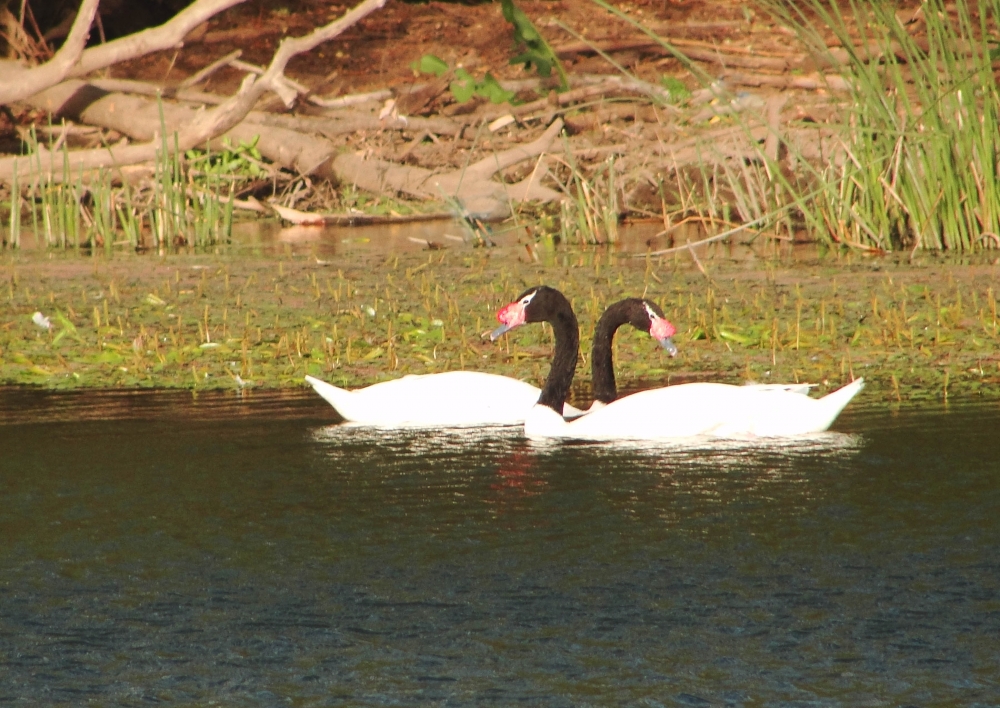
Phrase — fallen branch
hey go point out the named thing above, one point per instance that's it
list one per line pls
(812, 82)
(303, 218)
(772, 142)
(727, 142)
(220, 63)
(20, 82)
(699, 51)
(143, 119)
(166, 36)
(479, 196)
(717, 237)
(144, 88)
(343, 122)
(206, 124)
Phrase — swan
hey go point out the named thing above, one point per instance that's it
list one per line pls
(470, 398)
(645, 316)
(687, 410)
(447, 399)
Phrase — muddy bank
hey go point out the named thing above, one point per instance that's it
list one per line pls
(920, 330)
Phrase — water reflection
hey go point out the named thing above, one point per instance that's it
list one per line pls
(257, 560)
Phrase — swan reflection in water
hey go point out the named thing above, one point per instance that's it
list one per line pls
(460, 444)
(780, 479)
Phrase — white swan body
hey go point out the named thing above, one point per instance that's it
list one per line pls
(699, 409)
(449, 399)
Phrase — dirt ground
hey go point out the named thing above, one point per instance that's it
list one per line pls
(377, 52)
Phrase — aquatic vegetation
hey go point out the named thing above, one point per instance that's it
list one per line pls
(591, 211)
(918, 168)
(186, 201)
(914, 332)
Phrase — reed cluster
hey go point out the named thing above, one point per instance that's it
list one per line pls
(918, 161)
(176, 205)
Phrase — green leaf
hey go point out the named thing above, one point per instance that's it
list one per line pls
(542, 64)
(67, 325)
(678, 91)
(733, 336)
(489, 88)
(430, 64)
(537, 52)
(463, 90)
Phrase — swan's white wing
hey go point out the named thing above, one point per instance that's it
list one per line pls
(453, 398)
(701, 409)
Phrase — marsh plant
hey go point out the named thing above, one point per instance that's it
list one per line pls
(919, 162)
(186, 201)
(591, 211)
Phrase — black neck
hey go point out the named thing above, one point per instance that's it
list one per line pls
(629, 311)
(567, 333)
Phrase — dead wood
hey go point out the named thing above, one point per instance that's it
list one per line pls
(592, 120)
(711, 239)
(168, 35)
(220, 63)
(350, 100)
(346, 122)
(736, 104)
(812, 82)
(205, 125)
(728, 142)
(139, 118)
(714, 56)
(472, 187)
(773, 139)
(301, 218)
(698, 51)
(144, 88)
(608, 88)
(20, 82)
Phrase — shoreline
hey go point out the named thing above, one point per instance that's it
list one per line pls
(919, 331)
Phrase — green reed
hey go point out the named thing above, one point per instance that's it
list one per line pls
(592, 212)
(919, 163)
(71, 209)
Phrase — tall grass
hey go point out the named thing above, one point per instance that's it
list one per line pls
(591, 212)
(920, 144)
(917, 162)
(174, 208)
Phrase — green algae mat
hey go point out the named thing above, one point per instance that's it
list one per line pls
(920, 329)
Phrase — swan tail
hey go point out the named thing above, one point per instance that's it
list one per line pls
(339, 398)
(834, 403)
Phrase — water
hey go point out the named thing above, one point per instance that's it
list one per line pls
(159, 550)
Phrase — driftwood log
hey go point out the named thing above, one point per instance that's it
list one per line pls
(142, 118)
(207, 124)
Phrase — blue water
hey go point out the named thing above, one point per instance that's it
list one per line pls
(161, 550)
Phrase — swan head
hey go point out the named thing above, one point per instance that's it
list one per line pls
(659, 327)
(533, 305)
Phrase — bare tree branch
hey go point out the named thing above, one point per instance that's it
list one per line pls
(168, 35)
(21, 82)
(208, 125)
(480, 196)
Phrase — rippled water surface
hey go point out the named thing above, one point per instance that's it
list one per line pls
(156, 549)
